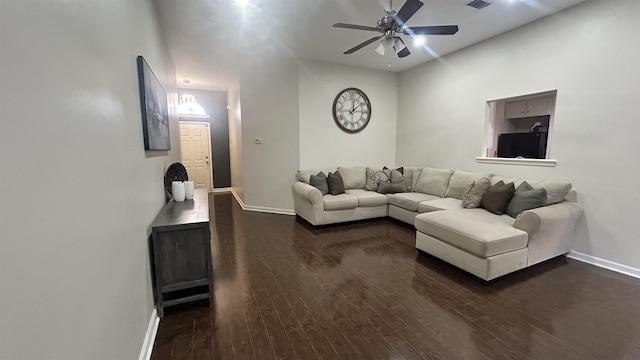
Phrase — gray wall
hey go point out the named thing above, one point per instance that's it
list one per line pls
(214, 103)
(269, 97)
(78, 190)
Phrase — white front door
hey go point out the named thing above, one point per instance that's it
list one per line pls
(196, 152)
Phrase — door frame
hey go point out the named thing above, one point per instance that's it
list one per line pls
(209, 149)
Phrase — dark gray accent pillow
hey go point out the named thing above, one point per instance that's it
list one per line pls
(525, 198)
(398, 174)
(497, 197)
(320, 182)
(391, 188)
(336, 185)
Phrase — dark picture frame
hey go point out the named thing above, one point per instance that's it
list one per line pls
(154, 107)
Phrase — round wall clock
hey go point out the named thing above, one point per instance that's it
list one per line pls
(352, 110)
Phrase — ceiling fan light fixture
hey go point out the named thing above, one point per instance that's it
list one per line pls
(398, 46)
(419, 40)
(380, 48)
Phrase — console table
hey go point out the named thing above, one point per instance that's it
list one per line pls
(181, 248)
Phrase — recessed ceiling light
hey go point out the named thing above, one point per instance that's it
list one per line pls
(242, 3)
(419, 40)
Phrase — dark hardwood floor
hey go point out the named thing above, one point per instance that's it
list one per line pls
(361, 291)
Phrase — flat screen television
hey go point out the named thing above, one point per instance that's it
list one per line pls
(527, 145)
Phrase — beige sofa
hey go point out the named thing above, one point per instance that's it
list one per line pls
(475, 240)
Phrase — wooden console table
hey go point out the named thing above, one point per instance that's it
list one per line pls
(181, 247)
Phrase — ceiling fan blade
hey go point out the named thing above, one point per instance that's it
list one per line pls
(404, 53)
(357, 27)
(363, 44)
(432, 30)
(407, 10)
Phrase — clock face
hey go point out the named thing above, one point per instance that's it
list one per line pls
(352, 110)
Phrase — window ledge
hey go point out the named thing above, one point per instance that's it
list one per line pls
(512, 161)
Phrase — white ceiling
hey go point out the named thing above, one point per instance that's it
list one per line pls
(207, 37)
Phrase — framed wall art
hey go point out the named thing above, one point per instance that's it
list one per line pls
(155, 111)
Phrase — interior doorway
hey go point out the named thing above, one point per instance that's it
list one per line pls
(195, 145)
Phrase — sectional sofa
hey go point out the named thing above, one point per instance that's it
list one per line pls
(478, 241)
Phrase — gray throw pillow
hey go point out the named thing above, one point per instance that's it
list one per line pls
(320, 182)
(472, 196)
(460, 180)
(497, 197)
(336, 185)
(375, 176)
(396, 175)
(399, 174)
(525, 198)
(391, 187)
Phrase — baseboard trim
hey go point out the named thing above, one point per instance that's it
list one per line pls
(150, 337)
(222, 190)
(269, 210)
(235, 195)
(260, 208)
(606, 264)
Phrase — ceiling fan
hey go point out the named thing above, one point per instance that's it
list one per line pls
(392, 24)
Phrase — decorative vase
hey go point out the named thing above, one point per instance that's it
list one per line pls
(177, 190)
(188, 190)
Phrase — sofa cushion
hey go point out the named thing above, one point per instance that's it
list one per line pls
(304, 175)
(336, 184)
(415, 174)
(368, 198)
(409, 201)
(354, 177)
(476, 231)
(472, 196)
(433, 181)
(374, 176)
(497, 197)
(391, 187)
(320, 182)
(439, 204)
(339, 202)
(525, 198)
(556, 190)
(460, 180)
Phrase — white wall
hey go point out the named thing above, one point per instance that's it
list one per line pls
(590, 55)
(322, 142)
(269, 98)
(235, 139)
(78, 190)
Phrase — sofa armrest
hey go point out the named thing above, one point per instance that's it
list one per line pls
(551, 229)
(308, 202)
(308, 192)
